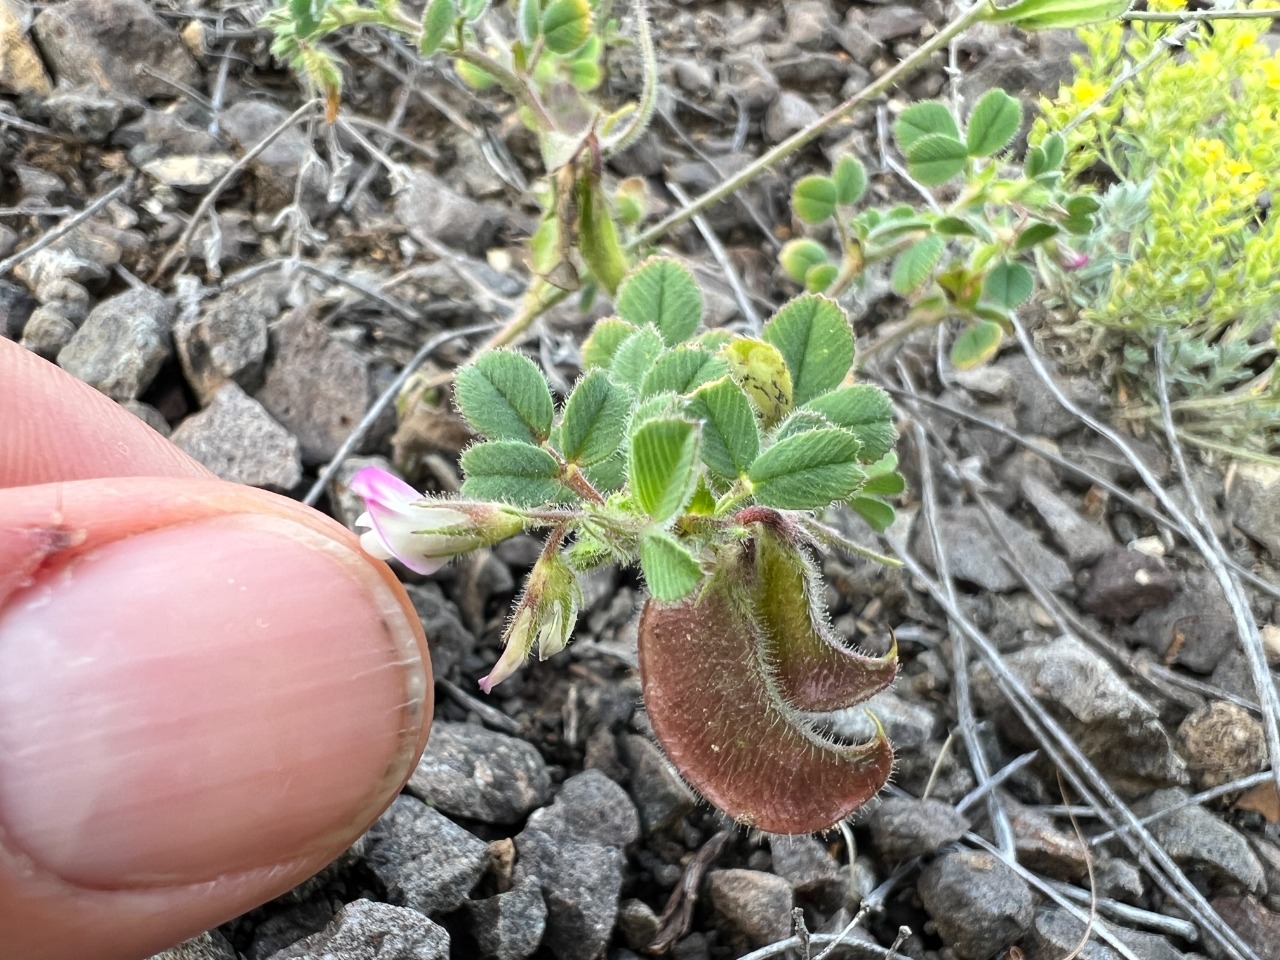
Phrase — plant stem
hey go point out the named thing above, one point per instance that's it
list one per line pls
(798, 139)
(1190, 16)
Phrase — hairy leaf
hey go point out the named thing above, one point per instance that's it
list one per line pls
(976, 345)
(928, 118)
(566, 24)
(915, 264)
(681, 370)
(661, 466)
(815, 339)
(993, 123)
(866, 412)
(510, 471)
(799, 256)
(670, 571)
(730, 437)
(1008, 284)
(634, 357)
(504, 396)
(850, 177)
(807, 471)
(662, 292)
(595, 419)
(602, 344)
(814, 198)
(936, 158)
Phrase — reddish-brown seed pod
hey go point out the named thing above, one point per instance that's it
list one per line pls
(814, 670)
(721, 717)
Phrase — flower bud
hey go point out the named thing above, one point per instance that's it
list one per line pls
(544, 618)
(420, 532)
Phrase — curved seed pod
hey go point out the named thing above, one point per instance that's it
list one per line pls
(723, 722)
(813, 669)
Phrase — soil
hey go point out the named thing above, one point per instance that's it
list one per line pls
(1069, 659)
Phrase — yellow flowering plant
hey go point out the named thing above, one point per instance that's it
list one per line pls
(1187, 141)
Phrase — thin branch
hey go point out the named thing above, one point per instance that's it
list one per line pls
(66, 226)
(1195, 800)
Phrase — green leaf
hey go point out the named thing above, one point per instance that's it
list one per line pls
(606, 336)
(306, 16)
(529, 19)
(1082, 205)
(820, 277)
(814, 198)
(681, 370)
(670, 571)
(800, 421)
(850, 177)
(800, 256)
(473, 10)
(993, 123)
(936, 158)
(1058, 14)
(760, 369)
(928, 118)
(661, 466)
(915, 265)
(585, 75)
(595, 419)
(730, 436)
(635, 356)
(437, 22)
(976, 345)
(1035, 233)
(1035, 163)
(866, 412)
(662, 292)
(815, 339)
(566, 24)
(877, 513)
(1078, 226)
(1008, 284)
(807, 471)
(504, 396)
(890, 483)
(1054, 149)
(608, 475)
(953, 227)
(510, 471)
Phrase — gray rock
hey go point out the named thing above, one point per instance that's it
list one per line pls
(237, 439)
(16, 307)
(638, 923)
(1254, 501)
(318, 387)
(903, 827)
(425, 860)
(909, 724)
(975, 555)
(85, 113)
(1222, 742)
(1124, 582)
(1083, 542)
(1118, 879)
(1257, 926)
(450, 641)
(809, 25)
(1117, 729)
(122, 343)
(66, 296)
(149, 415)
(1043, 847)
(191, 173)
(756, 903)
(1194, 629)
(157, 133)
(978, 903)
(21, 71)
(285, 927)
(1055, 933)
(694, 76)
(590, 808)
(47, 332)
(789, 113)
(468, 771)
(277, 168)
(227, 340)
(210, 945)
(432, 212)
(365, 930)
(895, 22)
(581, 883)
(85, 255)
(103, 42)
(661, 797)
(805, 864)
(750, 79)
(1039, 414)
(509, 926)
(1197, 840)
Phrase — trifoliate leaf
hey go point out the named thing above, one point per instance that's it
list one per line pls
(815, 339)
(661, 466)
(664, 293)
(682, 370)
(730, 436)
(670, 571)
(510, 471)
(866, 412)
(504, 396)
(602, 344)
(993, 123)
(634, 357)
(928, 118)
(915, 264)
(850, 177)
(595, 419)
(807, 471)
(814, 198)
(799, 256)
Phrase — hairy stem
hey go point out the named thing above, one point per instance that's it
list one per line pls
(649, 95)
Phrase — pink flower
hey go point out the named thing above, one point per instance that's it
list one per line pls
(420, 532)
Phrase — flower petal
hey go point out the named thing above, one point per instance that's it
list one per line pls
(377, 485)
(399, 535)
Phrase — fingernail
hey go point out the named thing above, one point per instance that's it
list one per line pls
(201, 700)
